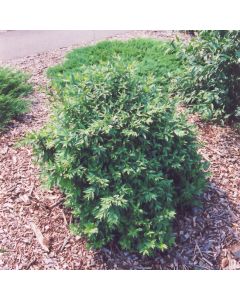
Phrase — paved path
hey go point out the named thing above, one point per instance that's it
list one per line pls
(20, 43)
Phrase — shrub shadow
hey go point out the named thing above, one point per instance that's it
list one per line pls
(204, 237)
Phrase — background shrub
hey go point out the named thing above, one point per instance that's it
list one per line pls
(210, 83)
(13, 87)
(153, 57)
(121, 154)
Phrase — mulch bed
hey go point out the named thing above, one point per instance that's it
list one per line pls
(34, 224)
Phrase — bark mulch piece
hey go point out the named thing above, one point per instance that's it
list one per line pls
(34, 224)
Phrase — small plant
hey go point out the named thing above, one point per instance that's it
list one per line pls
(13, 88)
(121, 154)
(210, 83)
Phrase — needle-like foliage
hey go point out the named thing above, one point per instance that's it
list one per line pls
(13, 89)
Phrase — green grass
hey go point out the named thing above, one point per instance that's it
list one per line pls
(13, 89)
(152, 57)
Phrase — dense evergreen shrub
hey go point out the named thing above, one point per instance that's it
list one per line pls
(121, 154)
(13, 87)
(153, 56)
(210, 83)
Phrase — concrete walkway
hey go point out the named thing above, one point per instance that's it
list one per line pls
(20, 43)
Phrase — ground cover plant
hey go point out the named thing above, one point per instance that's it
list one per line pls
(156, 57)
(120, 152)
(210, 81)
(13, 89)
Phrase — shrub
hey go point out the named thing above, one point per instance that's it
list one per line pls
(210, 83)
(121, 154)
(13, 87)
(155, 57)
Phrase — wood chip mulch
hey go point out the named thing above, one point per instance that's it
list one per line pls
(34, 224)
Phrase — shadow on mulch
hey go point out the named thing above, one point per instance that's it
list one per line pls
(202, 238)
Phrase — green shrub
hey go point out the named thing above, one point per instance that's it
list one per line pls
(210, 83)
(121, 154)
(155, 57)
(13, 87)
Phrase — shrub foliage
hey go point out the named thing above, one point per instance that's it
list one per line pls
(210, 83)
(121, 154)
(13, 87)
(152, 56)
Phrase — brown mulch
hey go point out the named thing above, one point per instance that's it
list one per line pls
(34, 225)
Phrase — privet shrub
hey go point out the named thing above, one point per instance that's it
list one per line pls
(122, 156)
(210, 83)
(13, 87)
